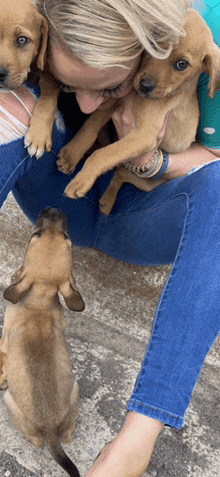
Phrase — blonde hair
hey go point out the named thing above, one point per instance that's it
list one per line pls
(105, 33)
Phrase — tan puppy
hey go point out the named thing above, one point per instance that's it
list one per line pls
(23, 39)
(165, 86)
(42, 396)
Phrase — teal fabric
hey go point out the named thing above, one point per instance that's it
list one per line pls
(210, 10)
(209, 125)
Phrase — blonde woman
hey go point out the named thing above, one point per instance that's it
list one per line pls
(95, 49)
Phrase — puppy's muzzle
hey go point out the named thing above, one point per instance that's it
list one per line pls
(3, 76)
(145, 87)
(52, 215)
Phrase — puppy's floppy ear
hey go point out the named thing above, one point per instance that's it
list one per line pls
(211, 63)
(20, 284)
(71, 296)
(43, 43)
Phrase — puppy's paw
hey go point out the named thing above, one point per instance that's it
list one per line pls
(37, 144)
(78, 187)
(105, 205)
(37, 441)
(67, 159)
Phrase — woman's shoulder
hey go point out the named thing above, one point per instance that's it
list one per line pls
(210, 10)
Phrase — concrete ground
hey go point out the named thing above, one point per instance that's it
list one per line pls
(107, 343)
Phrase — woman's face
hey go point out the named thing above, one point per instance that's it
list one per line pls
(94, 88)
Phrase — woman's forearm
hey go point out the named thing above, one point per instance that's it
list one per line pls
(197, 155)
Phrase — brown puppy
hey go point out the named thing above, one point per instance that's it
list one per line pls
(42, 396)
(23, 39)
(164, 86)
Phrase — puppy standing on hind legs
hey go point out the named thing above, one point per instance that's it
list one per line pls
(42, 396)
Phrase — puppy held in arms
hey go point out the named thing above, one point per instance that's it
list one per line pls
(164, 87)
(42, 396)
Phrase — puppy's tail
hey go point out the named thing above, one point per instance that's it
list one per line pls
(62, 458)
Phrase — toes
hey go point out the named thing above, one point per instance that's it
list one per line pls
(37, 148)
(27, 141)
(35, 151)
(71, 194)
(74, 191)
(64, 166)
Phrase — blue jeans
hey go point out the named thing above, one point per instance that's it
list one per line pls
(179, 223)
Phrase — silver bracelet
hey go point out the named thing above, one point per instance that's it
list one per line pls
(150, 169)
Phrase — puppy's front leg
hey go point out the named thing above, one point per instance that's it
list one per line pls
(70, 155)
(103, 160)
(39, 136)
(149, 119)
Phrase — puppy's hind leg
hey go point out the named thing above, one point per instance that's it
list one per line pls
(109, 197)
(3, 378)
(70, 421)
(3, 358)
(121, 176)
(20, 421)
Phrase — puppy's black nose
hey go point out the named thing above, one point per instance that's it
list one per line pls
(53, 210)
(52, 213)
(145, 87)
(3, 74)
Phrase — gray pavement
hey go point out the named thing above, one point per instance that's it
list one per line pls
(107, 343)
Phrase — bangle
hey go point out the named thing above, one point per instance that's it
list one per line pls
(164, 166)
(153, 169)
(149, 169)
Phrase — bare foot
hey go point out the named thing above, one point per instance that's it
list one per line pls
(128, 455)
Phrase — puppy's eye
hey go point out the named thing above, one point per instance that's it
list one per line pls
(38, 233)
(23, 40)
(66, 236)
(181, 65)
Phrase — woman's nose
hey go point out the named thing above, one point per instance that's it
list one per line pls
(88, 101)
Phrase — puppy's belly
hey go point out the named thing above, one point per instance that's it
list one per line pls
(179, 137)
(181, 128)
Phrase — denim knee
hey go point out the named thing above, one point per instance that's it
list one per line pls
(187, 319)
